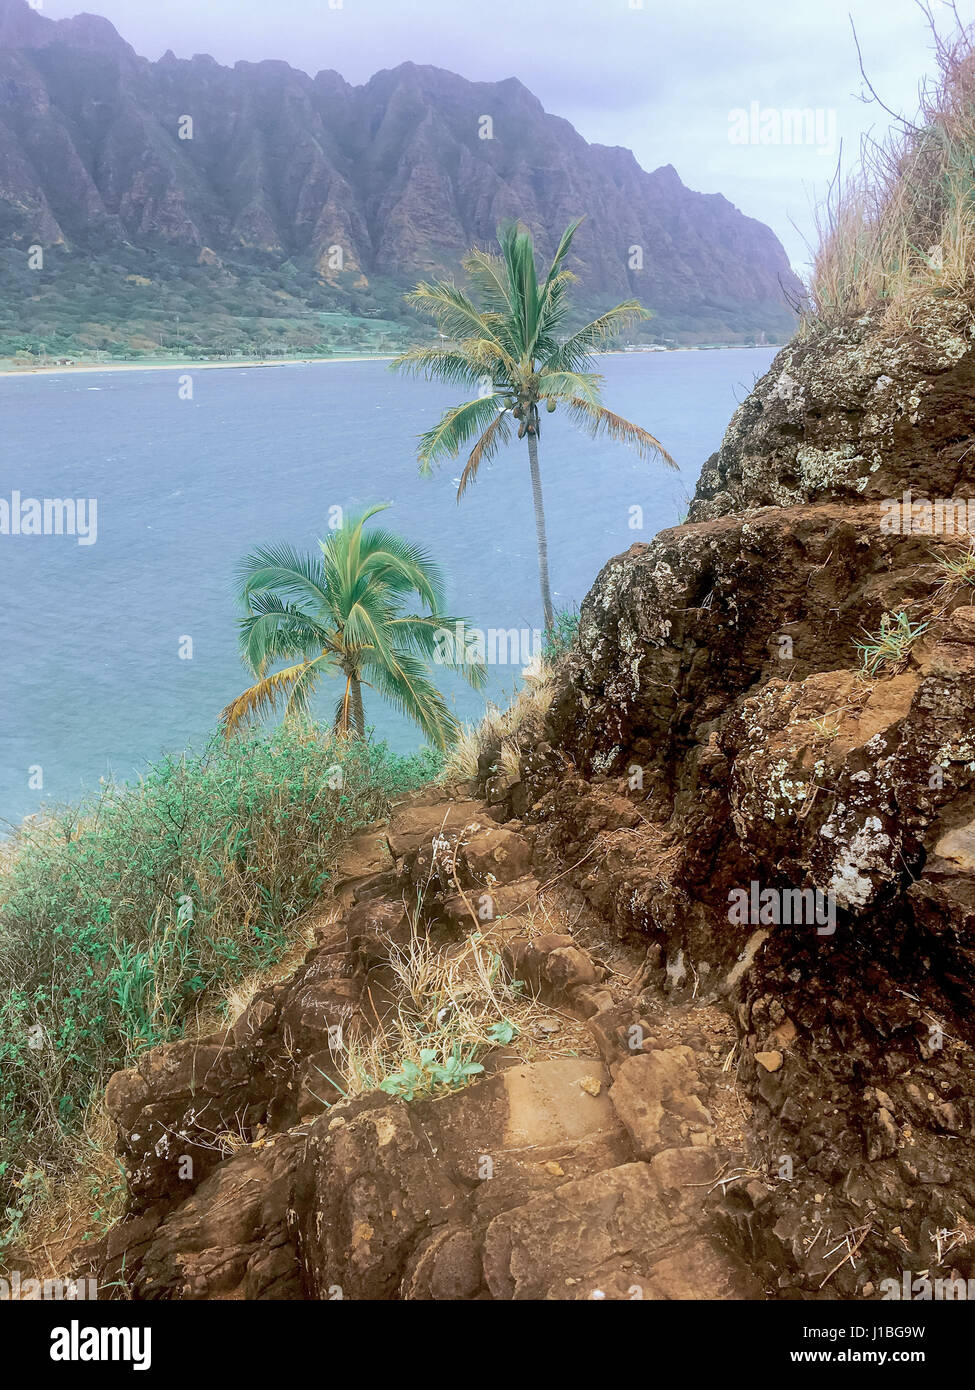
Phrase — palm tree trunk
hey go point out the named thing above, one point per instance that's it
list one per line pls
(358, 713)
(547, 608)
(345, 708)
(351, 717)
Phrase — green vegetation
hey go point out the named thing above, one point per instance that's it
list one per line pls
(508, 348)
(127, 919)
(138, 304)
(958, 567)
(135, 304)
(452, 1009)
(430, 1074)
(891, 644)
(434, 1072)
(340, 613)
(561, 636)
(124, 917)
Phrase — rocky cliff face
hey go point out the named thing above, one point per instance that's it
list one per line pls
(758, 1102)
(396, 173)
(719, 667)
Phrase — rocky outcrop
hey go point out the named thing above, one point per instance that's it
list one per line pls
(732, 870)
(718, 684)
(590, 1175)
(396, 174)
(853, 413)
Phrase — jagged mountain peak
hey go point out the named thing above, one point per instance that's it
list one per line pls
(21, 24)
(404, 173)
(24, 26)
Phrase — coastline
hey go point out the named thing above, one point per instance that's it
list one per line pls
(189, 364)
(200, 366)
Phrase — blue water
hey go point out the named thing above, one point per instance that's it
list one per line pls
(91, 682)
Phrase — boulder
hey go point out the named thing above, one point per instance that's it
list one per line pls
(413, 827)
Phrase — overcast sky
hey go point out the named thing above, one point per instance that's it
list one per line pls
(660, 77)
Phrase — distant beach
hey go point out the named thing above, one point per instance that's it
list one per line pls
(60, 370)
(197, 366)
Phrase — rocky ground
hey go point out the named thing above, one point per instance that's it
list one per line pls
(696, 1106)
(594, 1170)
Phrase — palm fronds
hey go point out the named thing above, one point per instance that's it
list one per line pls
(511, 339)
(263, 698)
(598, 420)
(340, 612)
(508, 338)
(497, 433)
(455, 427)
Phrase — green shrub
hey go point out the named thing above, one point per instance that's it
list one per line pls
(560, 637)
(430, 1075)
(118, 916)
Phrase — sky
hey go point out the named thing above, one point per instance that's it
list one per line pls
(692, 83)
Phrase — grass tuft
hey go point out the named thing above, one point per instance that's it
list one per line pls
(455, 1005)
(891, 645)
(958, 566)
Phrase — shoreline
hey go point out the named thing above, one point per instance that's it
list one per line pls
(88, 369)
(200, 366)
(189, 364)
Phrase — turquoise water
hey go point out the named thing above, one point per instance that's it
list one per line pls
(92, 682)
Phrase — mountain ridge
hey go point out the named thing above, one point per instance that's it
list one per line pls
(402, 174)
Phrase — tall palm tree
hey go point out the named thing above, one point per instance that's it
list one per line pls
(507, 347)
(340, 613)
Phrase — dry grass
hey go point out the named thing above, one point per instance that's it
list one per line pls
(902, 226)
(450, 1000)
(646, 844)
(226, 1004)
(125, 922)
(461, 762)
(957, 565)
(455, 1001)
(498, 730)
(80, 1206)
(91, 1197)
(459, 1000)
(450, 1003)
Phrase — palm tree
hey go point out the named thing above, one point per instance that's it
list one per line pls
(508, 348)
(340, 613)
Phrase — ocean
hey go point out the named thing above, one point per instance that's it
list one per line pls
(189, 476)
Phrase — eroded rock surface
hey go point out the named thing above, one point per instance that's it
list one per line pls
(250, 1177)
(754, 1103)
(718, 683)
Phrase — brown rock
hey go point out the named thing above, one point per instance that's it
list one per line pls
(652, 1093)
(770, 1061)
(494, 856)
(701, 1271)
(529, 1252)
(414, 827)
